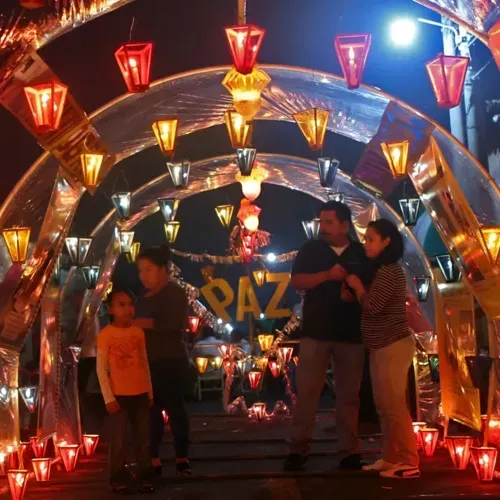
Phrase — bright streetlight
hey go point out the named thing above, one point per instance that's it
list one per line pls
(403, 31)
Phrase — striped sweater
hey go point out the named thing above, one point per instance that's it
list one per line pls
(384, 320)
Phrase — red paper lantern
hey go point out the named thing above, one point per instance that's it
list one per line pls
(134, 60)
(23, 451)
(18, 479)
(416, 429)
(447, 76)
(69, 455)
(254, 378)
(484, 459)
(429, 438)
(352, 51)
(164, 414)
(275, 368)
(46, 102)
(32, 4)
(286, 354)
(244, 43)
(194, 324)
(90, 442)
(259, 411)
(459, 448)
(41, 468)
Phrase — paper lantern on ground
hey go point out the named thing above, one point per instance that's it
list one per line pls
(217, 362)
(18, 480)
(23, 453)
(429, 438)
(447, 76)
(168, 208)
(69, 455)
(459, 448)
(352, 52)
(396, 154)
(134, 60)
(39, 447)
(491, 235)
(90, 442)
(179, 173)
(194, 324)
(275, 368)
(91, 275)
(29, 395)
(245, 158)
(165, 131)
(327, 169)
(259, 277)
(17, 241)
(172, 230)
(448, 267)
(254, 379)
(78, 249)
(46, 102)
(312, 123)
(259, 411)
(265, 341)
(409, 210)
(416, 429)
(121, 202)
(126, 240)
(286, 354)
(484, 459)
(311, 228)
(246, 90)
(201, 364)
(422, 284)
(239, 129)
(225, 214)
(41, 468)
(91, 166)
(135, 249)
(32, 4)
(244, 44)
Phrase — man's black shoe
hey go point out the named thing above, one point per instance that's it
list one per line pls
(295, 462)
(352, 462)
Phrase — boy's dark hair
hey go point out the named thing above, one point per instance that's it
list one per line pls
(158, 255)
(394, 251)
(115, 292)
(342, 211)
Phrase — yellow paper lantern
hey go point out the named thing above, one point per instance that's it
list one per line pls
(225, 214)
(201, 364)
(166, 134)
(246, 90)
(396, 154)
(134, 252)
(17, 240)
(312, 123)
(239, 129)
(491, 235)
(259, 276)
(265, 341)
(172, 230)
(91, 165)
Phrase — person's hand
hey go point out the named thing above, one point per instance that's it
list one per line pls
(337, 273)
(113, 407)
(355, 283)
(346, 295)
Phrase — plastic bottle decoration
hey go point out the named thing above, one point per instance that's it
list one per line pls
(194, 324)
(168, 208)
(259, 277)
(254, 379)
(46, 103)
(352, 52)
(172, 230)
(239, 129)
(18, 479)
(91, 166)
(265, 342)
(225, 214)
(245, 158)
(484, 459)
(201, 364)
(409, 210)
(90, 442)
(447, 76)
(459, 448)
(313, 123)
(396, 154)
(69, 454)
(429, 438)
(244, 44)
(41, 468)
(17, 241)
(311, 228)
(134, 60)
(78, 249)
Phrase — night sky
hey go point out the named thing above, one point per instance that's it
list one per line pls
(189, 35)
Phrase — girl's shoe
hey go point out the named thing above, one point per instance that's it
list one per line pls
(401, 471)
(379, 466)
(183, 468)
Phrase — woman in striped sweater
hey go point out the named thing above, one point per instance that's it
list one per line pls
(385, 332)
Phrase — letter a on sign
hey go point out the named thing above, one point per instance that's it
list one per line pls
(247, 301)
(218, 306)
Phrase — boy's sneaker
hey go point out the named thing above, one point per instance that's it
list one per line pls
(401, 471)
(379, 466)
(183, 468)
(295, 462)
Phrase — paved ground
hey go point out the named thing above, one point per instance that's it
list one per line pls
(236, 458)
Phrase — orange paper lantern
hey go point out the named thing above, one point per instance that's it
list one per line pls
(134, 60)
(459, 448)
(17, 241)
(239, 129)
(312, 123)
(90, 442)
(352, 52)
(18, 479)
(254, 379)
(265, 341)
(396, 154)
(165, 131)
(484, 459)
(69, 454)
(41, 468)
(201, 364)
(46, 102)
(244, 43)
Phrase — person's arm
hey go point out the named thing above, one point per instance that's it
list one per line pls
(381, 291)
(171, 310)
(144, 360)
(103, 374)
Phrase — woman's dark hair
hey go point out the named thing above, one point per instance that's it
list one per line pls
(115, 292)
(158, 255)
(395, 249)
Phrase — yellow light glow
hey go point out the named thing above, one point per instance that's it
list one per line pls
(239, 129)
(265, 341)
(312, 123)
(91, 165)
(172, 230)
(396, 154)
(17, 240)
(134, 251)
(491, 235)
(166, 134)
(259, 276)
(225, 214)
(201, 364)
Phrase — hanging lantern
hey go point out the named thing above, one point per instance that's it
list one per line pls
(172, 230)
(246, 90)
(194, 324)
(134, 60)
(422, 284)
(168, 208)
(245, 158)
(224, 349)
(339, 197)
(179, 173)
(69, 455)
(91, 165)
(126, 240)
(135, 249)
(484, 459)
(46, 102)
(121, 201)
(208, 272)
(327, 169)
(201, 364)
(32, 4)
(261, 362)
(91, 275)
(78, 249)
(18, 479)
(448, 268)
(39, 447)
(352, 52)
(311, 228)
(275, 368)
(4, 395)
(265, 342)
(429, 438)
(165, 131)
(312, 123)
(409, 210)
(259, 277)
(491, 235)
(239, 129)
(396, 154)
(286, 354)
(254, 379)
(17, 241)
(29, 394)
(225, 214)
(90, 442)
(259, 411)
(447, 76)
(244, 44)
(41, 468)
(296, 360)
(217, 362)
(459, 448)
(242, 367)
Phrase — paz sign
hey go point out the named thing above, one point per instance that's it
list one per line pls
(247, 300)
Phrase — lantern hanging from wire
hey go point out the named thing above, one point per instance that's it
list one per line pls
(29, 395)
(78, 249)
(312, 123)
(396, 154)
(126, 240)
(409, 210)
(46, 103)
(17, 240)
(259, 277)
(245, 158)
(448, 267)
(225, 214)
(275, 368)
(244, 43)
(18, 479)
(422, 284)
(201, 364)
(447, 76)
(194, 324)
(352, 52)
(459, 448)
(239, 129)
(491, 235)
(246, 90)
(168, 208)
(327, 170)
(172, 230)
(121, 202)
(265, 341)
(135, 249)
(91, 166)
(41, 468)
(179, 173)
(254, 378)
(134, 60)
(311, 228)
(286, 354)
(91, 275)
(165, 131)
